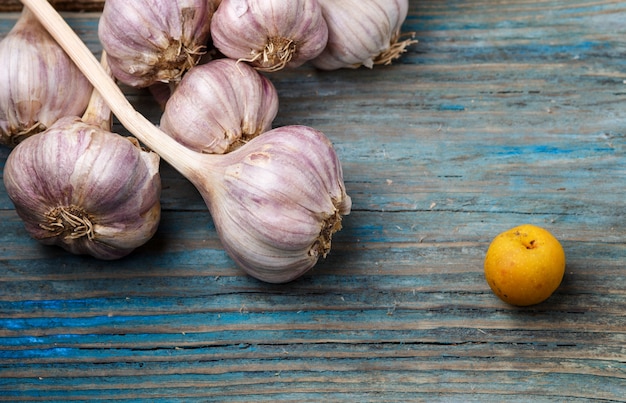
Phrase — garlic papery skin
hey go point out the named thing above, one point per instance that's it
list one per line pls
(38, 82)
(212, 173)
(150, 41)
(277, 201)
(363, 33)
(269, 34)
(85, 189)
(219, 106)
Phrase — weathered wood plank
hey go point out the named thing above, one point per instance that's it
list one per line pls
(64, 5)
(502, 114)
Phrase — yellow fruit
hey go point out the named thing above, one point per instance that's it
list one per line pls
(524, 265)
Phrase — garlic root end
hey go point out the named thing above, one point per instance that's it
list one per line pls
(322, 245)
(397, 47)
(176, 60)
(276, 54)
(71, 221)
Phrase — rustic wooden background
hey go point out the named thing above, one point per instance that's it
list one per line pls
(505, 113)
(63, 5)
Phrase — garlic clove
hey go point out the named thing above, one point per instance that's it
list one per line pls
(363, 33)
(38, 82)
(269, 34)
(149, 41)
(85, 189)
(219, 106)
(277, 201)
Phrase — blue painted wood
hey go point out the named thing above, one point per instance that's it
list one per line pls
(503, 113)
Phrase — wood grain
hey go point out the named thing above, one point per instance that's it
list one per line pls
(504, 113)
(61, 5)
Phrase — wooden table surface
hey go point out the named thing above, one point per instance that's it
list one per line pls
(504, 113)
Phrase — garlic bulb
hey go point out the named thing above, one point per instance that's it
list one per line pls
(220, 105)
(276, 201)
(38, 82)
(363, 33)
(269, 34)
(85, 189)
(79, 186)
(287, 182)
(154, 40)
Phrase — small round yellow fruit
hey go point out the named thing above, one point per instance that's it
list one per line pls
(524, 265)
